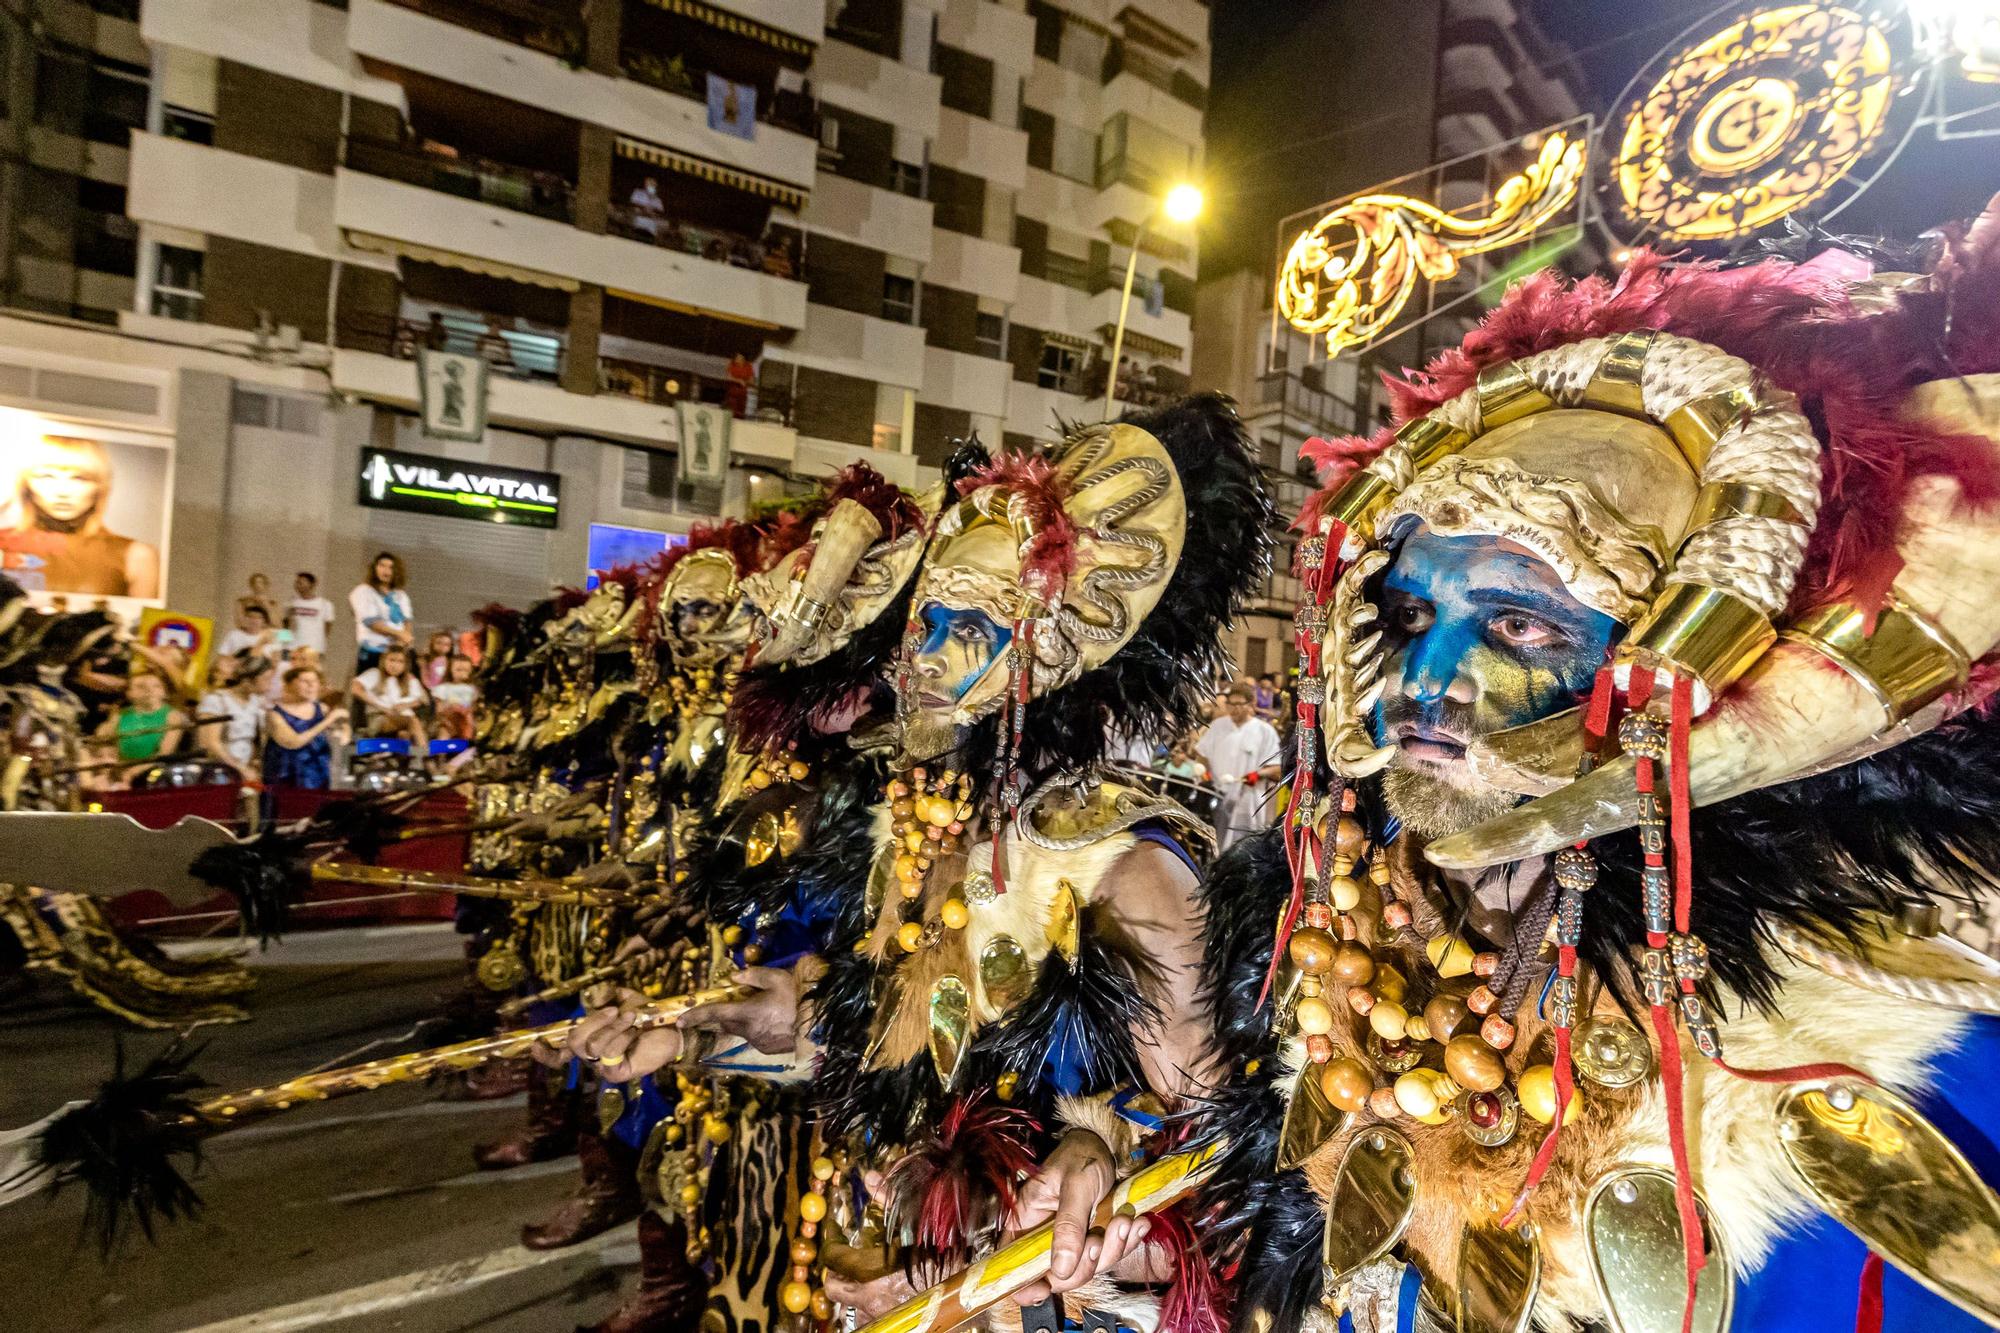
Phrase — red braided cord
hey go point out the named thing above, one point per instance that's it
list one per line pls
(1680, 723)
(1868, 1307)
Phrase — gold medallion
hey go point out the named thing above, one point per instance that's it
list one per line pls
(950, 1021)
(1003, 971)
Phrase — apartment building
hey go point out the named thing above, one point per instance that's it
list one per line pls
(1406, 87)
(864, 228)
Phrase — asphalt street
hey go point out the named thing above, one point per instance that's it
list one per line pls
(364, 1213)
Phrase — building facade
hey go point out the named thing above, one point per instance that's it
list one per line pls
(1424, 82)
(851, 230)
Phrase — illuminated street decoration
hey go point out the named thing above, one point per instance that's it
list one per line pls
(1749, 124)
(1351, 274)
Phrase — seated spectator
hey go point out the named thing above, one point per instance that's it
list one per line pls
(145, 728)
(455, 698)
(391, 699)
(434, 664)
(299, 748)
(237, 714)
(1183, 765)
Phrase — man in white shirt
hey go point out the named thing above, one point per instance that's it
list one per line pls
(238, 714)
(1241, 751)
(309, 614)
(252, 634)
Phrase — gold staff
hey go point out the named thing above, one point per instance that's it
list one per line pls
(583, 981)
(508, 890)
(971, 1292)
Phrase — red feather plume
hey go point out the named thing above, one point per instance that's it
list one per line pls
(959, 1184)
(1031, 479)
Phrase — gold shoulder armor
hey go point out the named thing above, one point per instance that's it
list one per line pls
(1066, 816)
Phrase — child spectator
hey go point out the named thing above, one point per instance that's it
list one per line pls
(434, 667)
(238, 713)
(392, 699)
(456, 696)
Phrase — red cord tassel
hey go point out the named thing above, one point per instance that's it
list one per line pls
(1868, 1306)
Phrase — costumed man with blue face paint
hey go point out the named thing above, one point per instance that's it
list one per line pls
(1712, 554)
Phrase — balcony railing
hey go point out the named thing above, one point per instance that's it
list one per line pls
(785, 109)
(515, 353)
(1318, 410)
(436, 167)
(553, 27)
(776, 254)
(1177, 84)
(666, 385)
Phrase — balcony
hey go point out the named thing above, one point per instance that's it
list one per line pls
(868, 215)
(776, 254)
(1123, 58)
(553, 27)
(666, 385)
(440, 167)
(845, 342)
(516, 353)
(396, 217)
(1307, 408)
(784, 109)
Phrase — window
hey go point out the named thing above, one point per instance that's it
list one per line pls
(989, 335)
(907, 178)
(177, 283)
(899, 298)
(652, 482)
(1048, 29)
(1059, 367)
(180, 123)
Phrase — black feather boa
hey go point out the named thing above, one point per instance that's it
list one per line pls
(125, 1147)
(266, 875)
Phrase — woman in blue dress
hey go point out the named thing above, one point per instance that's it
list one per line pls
(298, 751)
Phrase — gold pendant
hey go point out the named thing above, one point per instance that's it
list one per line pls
(1632, 1228)
(1499, 1272)
(1003, 972)
(1611, 1053)
(1893, 1179)
(500, 967)
(1063, 928)
(1310, 1120)
(950, 1020)
(1374, 1198)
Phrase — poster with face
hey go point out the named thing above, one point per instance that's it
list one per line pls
(84, 513)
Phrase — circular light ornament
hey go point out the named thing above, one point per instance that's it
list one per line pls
(1736, 129)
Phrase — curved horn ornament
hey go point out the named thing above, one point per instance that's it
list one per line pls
(1806, 706)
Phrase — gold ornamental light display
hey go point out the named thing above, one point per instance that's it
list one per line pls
(1351, 274)
(1754, 121)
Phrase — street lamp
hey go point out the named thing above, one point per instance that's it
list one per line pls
(1182, 205)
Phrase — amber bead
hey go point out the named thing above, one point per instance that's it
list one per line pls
(954, 914)
(1353, 965)
(902, 807)
(909, 935)
(822, 1306)
(1345, 890)
(1473, 1064)
(1445, 1016)
(822, 1168)
(797, 770)
(1349, 838)
(812, 1207)
(1314, 1015)
(1536, 1089)
(1497, 1032)
(1347, 1083)
(804, 1251)
(1481, 1001)
(1388, 1019)
(1312, 950)
(1416, 1093)
(797, 1297)
(1389, 983)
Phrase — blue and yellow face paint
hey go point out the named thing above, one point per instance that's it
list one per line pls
(956, 650)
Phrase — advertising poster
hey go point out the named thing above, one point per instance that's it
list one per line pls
(84, 513)
(612, 546)
(421, 484)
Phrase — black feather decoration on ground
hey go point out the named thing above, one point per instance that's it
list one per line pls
(125, 1147)
(266, 875)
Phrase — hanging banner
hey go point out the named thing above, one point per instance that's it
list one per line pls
(732, 107)
(704, 441)
(452, 392)
(451, 489)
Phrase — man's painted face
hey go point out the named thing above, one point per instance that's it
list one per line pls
(695, 617)
(1480, 636)
(956, 649)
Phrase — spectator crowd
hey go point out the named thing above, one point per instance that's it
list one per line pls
(271, 709)
(1232, 768)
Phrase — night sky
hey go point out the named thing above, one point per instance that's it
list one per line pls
(1929, 183)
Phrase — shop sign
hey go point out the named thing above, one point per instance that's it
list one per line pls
(452, 489)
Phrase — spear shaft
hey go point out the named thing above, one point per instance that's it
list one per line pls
(507, 890)
(231, 1109)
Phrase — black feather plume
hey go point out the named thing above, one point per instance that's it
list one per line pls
(266, 875)
(126, 1145)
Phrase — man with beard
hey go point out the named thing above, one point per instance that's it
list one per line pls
(1697, 553)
